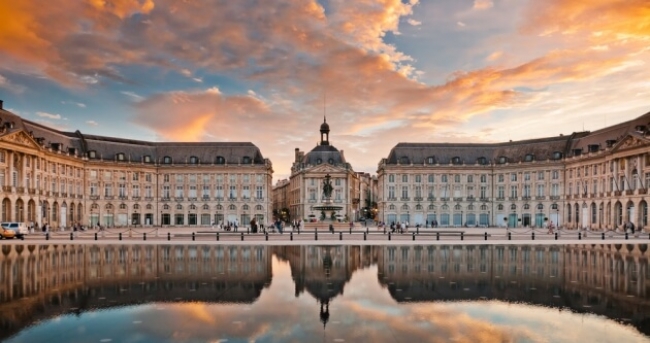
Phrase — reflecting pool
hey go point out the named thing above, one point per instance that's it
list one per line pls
(420, 293)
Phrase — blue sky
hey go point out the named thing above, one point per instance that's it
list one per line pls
(393, 71)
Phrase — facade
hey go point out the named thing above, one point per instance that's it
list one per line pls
(62, 178)
(307, 174)
(596, 180)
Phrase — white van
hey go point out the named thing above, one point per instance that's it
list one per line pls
(20, 228)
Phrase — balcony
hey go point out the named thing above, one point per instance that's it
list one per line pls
(513, 198)
(108, 197)
(458, 199)
(471, 198)
(6, 188)
(179, 199)
(555, 197)
(232, 199)
(444, 199)
(525, 198)
(32, 191)
(148, 198)
(79, 196)
(418, 199)
(540, 198)
(501, 199)
(55, 194)
(94, 197)
(64, 195)
(135, 198)
(404, 199)
(259, 199)
(629, 192)
(206, 198)
(20, 189)
(392, 199)
(431, 199)
(484, 199)
(617, 193)
(191, 199)
(123, 197)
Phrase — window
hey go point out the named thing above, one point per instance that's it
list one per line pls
(557, 155)
(456, 178)
(136, 176)
(443, 178)
(391, 177)
(404, 160)
(483, 178)
(120, 156)
(194, 160)
(501, 178)
(431, 178)
(529, 158)
(246, 160)
(92, 154)
(418, 178)
(431, 160)
(405, 192)
(179, 207)
(147, 158)
(391, 192)
(167, 160)
(220, 160)
(513, 177)
(482, 161)
(555, 175)
(540, 190)
(405, 178)
(513, 191)
(502, 160)
(526, 176)
(470, 178)
(259, 192)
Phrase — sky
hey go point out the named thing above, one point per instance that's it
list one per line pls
(383, 71)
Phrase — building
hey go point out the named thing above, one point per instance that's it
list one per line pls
(307, 174)
(280, 196)
(595, 180)
(61, 178)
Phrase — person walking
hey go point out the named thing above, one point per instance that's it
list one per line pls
(550, 228)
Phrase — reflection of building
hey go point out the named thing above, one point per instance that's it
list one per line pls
(42, 281)
(56, 177)
(587, 179)
(608, 279)
(305, 189)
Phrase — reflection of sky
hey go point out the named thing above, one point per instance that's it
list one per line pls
(364, 313)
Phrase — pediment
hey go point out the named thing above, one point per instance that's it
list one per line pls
(631, 142)
(21, 138)
(326, 168)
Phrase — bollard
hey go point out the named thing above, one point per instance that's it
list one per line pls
(218, 236)
(169, 236)
(486, 236)
(340, 235)
(316, 235)
(533, 236)
(95, 235)
(247, 230)
(602, 236)
(509, 236)
(291, 236)
(350, 230)
(579, 235)
(626, 235)
(417, 228)
(556, 236)
(144, 236)
(120, 236)
(193, 236)
(384, 229)
(367, 229)
(71, 236)
(413, 235)
(364, 236)
(267, 235)
(389, 236)
(242, 236)
(437, 236)
(462, 236)
(47, 236)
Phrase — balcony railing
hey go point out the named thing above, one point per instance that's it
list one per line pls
(94, 197)
(617, 193)
(392, 199)
(555, 197)
(79, 196)
(123, 197)
(55, 194)
(20, 189)
(191, 199)
(629, 192)
(135, 198)
(444, 199)
(418, 199)
(404, 199)
(165, 199)
(108, 197)
(32, 191)
(501, 199)
(148, 198)
(6, 188)
(259, 199)
(64, 195)
(232, 199)
(431, 199)
(458, 199)
(179, 199)
(513, 198)
(205, 198)
(471, 198)
(540, 198)
(484, 199)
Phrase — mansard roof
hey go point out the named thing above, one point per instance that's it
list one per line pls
(107, 148)
(608, 136)
(325, 153)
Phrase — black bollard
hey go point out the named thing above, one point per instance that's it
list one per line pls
(509, 236)
(95, 235)
(120, 236)
(389, 236)
(579, 235)
(364, 236)
(437, 236)
(71, 236)
(533, 236)
(602, 236)
(218, 236)
(242, 236)
(486, 236)
(267, 235)
(193, 236)
(462, 236)
(350, 230)
(169, 236)
(413, 235)
(316, 235)
(556, 236)
(47, 236)
(340, 235)
(291, 236)
(144, 236)
(247, 230)
(626, 235)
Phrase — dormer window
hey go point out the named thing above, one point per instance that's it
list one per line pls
(577, 152)
(92, 154)
(482, 161)
(194, 160)
(529, 158)
(220, 160)
(167, 160)
(557, 155)
(404, 160)
(120, 156)
(246, 160)
(503, 160)
(431, 160)
(455, 160)
(147, 159)
(319, 161)
(330, 161)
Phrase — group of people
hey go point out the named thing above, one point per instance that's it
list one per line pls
(226, 226)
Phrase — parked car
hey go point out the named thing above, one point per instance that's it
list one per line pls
(20, 229)
(6, 233)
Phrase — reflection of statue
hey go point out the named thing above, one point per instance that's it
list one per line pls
(327, 187)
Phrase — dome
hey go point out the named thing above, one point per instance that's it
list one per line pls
(324, 127)
(323, 154)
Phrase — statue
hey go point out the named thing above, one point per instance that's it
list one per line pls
(327, 187)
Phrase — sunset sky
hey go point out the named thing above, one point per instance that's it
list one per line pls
(391, 71)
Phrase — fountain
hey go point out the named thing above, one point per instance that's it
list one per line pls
(327, 206)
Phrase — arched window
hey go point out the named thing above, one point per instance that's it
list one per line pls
(445, 207)
(503, 160)
(220, 160)
(232, 207)
(391, 207)
(167, 160)
(405, 207)
(194, 160)
(540, 207)
(418, 207)
(319, 161)
(500, 207)
(526, 207)
(136, 207)
(94, 206)
(245, 208)
(470, 207)
(432, 207)
(165, 207)
(109, 206)
(179, 207)
(192, 207)
(206, 207)
(457, 207)
(122, 206)
(259, 208)
(456, 160)
(529, 158)
(483, 207)
(513, 207)
(149, 207)
(330, 161)
(246, 160)
(219, 207)
(554, 207)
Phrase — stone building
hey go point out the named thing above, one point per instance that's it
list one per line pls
(307, 174)
(61, 178)
(595, 180)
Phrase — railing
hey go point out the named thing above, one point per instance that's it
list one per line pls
(513, 198)
(617, 193)
(418, 199)
(629, 192)
(232, 199)
(404, 199)
(525, 198)
(259, 199)
(6, 188)
(191, 199)
(178, 199)
(94, 197)
(135, 198)
(64, 195)
(431, 199)
(20, 189)
(484, 199)
(108, 197)
(165, 199)
(501, 199)
(32, 191)
(458, 199)
(392, 199)
(555, 197)
(444, 199)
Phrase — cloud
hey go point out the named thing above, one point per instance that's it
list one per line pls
(414, 22)
(460, 23)
(78, 104)
(132, 95)
(92, 123)
(6, 84)
(48, 115)
(482, 4)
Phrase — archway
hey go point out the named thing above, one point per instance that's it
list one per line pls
(6, 210)
(31, 211)
(45, 212)
(630, 211)
(63, 219)
(80, 213)
(71, 217)
(20, 211)
(55, 213)
(618, 214)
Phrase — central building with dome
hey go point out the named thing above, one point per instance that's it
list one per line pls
(308, 173)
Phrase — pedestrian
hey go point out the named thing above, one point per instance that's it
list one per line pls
(550, 228)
